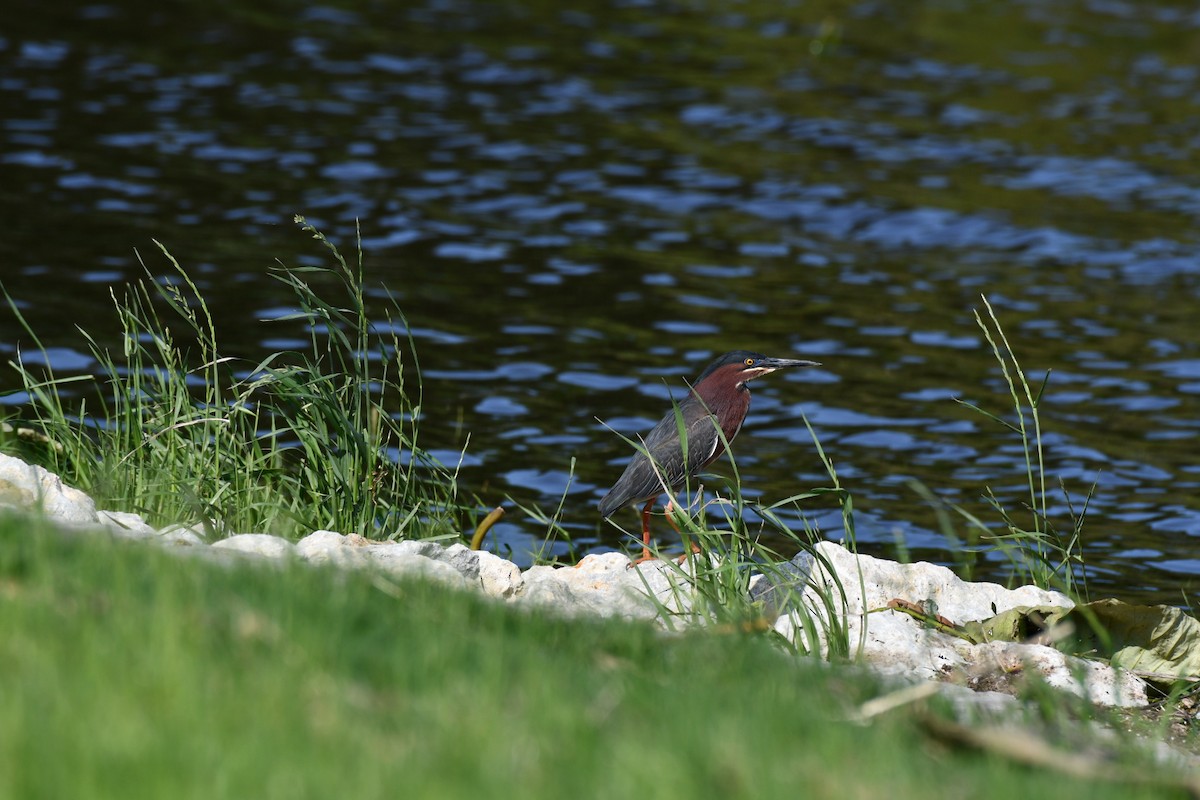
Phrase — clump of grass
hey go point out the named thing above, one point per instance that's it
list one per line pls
(173, 429)
(1038, 550)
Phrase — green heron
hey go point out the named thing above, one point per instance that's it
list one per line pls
(719, 397)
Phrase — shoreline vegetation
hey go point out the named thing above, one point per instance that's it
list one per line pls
(449, 693)
(174, 429)
(328, 436)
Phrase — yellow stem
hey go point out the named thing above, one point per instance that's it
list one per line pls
(485, 526)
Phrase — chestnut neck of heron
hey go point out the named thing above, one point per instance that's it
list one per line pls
(726, 396)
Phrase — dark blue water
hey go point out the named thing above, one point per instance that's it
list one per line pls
(576, 206)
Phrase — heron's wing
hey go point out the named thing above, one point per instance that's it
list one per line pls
(702, 440)
(641, 481)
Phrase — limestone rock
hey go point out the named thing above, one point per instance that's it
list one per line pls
(495, 576)
(498, 577)
(182, 535)
(258, 544)
(125, 525)
(402, 560)
(462, 558)
(31, 487)
(607, 584)
(329, 547)
(895, 643)
(1094, 680)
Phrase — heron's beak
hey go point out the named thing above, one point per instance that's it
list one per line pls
(772, 364)
(768, 365)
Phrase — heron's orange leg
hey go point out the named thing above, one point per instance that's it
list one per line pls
(671, 520)
(646, 530)
(671, 517)
(649, 507)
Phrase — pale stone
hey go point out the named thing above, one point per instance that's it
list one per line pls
(329, 547)
(402, 559)
(125, 525)
(893, 642)
(918, 582)
(495, 576)
(31, 487)
(183, 535)
(1093, 680)
(461, 558)
(979, 705)
(417, 547)
(259, 544)
(608, 585)
(543, 592)
(498, 577)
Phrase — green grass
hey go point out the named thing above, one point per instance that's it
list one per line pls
(1039, 549)
(126, 672)
(173, 428)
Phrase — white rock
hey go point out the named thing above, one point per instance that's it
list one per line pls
(463, 559)
(498, 577)
(458, 556)
(495, 576)
(417, 547)
(328, 547)
(895, 643)
(601, 566)
(1093, 680)
(402, 565)
(259, 544)
(182, 535)
(405, 559)
(541, 590)
(969, 704)
(606, 584)
(125, 525)
(395, 558)
(27, 486)
(919, 582)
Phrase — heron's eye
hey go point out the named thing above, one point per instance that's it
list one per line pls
(749, 362)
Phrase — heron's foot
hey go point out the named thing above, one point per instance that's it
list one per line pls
(646, 556)
(695, 552)
(681, 559)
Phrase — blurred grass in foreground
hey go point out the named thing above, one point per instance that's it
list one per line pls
(127, 672)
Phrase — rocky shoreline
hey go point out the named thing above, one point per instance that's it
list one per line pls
(792, 594)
